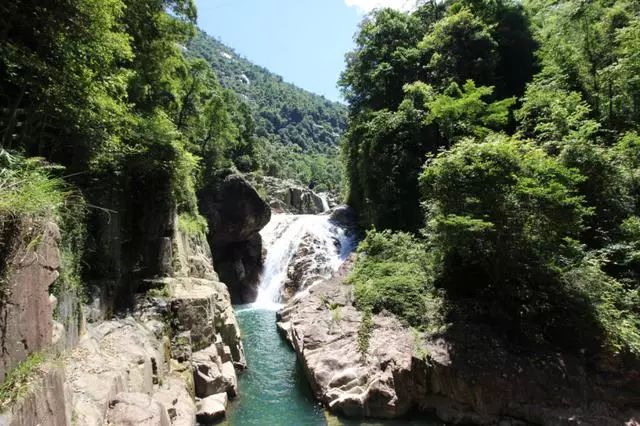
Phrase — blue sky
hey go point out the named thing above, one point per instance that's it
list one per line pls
(302, 40)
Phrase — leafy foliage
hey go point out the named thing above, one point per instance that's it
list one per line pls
(528, 219)
(391, 274)
(27, 188)
(411, 83)
(293, 130)
(591, 48)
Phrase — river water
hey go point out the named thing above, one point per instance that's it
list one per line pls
(274, 390)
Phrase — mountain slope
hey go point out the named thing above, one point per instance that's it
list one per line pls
(283, 113)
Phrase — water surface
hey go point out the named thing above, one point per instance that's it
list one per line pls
(273, 390)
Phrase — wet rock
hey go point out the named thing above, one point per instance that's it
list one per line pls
(344, 216)
(212, 408)
(136, 409)
(309, 265)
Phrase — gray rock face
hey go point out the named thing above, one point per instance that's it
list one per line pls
(175, 397)
(466, 376)
(309, 265)
(203, 309)
(114, 357)
(136, 409)
(27, 324)
(326, 341)
(236, 213)
(212, 408)
(127, 370)
(46, 402)
(213, 374)
(285, 196)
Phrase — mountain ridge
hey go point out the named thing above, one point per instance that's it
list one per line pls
(283, 112)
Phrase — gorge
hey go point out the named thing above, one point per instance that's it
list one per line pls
(188, 239)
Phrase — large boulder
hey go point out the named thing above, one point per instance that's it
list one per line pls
(344, 216)
(466, 375)
(213, 373)
(309, 264)
(212, 409)
(234, 210)
(236, 213)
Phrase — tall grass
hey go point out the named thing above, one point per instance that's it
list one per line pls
(27, 188)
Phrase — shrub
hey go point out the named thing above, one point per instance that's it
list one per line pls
(392, 273)
(501, 217)
(27, 188)
(192, 224)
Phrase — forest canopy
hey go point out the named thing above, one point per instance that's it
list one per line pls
(494, 146)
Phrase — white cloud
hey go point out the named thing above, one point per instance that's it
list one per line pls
(366, 6)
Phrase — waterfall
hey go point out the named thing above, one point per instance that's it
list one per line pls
(329, 245)
(325, 202)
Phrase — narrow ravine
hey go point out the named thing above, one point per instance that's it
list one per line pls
(274, 391)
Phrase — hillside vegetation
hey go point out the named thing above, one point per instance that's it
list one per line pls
(299, 131)
(495, 147)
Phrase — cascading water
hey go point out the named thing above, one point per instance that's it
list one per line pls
(273, 391)
(282, 238)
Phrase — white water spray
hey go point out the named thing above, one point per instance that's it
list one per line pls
(325, 202)
(282, 238)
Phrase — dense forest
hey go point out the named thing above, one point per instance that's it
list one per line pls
(298, 131)
(494, 146)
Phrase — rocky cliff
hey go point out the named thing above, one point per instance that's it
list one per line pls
(169, 360)
(26, 308)
(236, 214)
(466, 375)
(286, 196)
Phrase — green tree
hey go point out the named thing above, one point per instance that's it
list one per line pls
(460, 47)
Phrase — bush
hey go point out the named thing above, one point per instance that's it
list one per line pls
(501, 217)
(486, 204)
(617, 309)
(192, 224)
(392, 273)
(26, 187)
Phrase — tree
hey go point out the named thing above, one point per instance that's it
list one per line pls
(593, 46)
(486, 202)
(458, 48)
